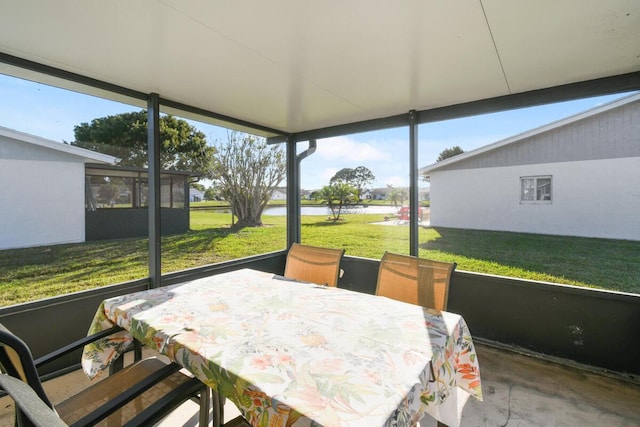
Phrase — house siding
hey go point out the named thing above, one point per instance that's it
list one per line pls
(592, 157)
(13, 149)
(42, 197)
(608, 135)
(37, 209)
(592, 198)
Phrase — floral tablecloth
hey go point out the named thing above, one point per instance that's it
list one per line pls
(297, 354)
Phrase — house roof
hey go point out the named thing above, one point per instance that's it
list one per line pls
(97, 169)
(287, 66)
(528, 134)
(88, 156)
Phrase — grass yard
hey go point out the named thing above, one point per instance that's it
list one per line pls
(35, 273)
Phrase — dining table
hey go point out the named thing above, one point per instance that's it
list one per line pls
(290, 353)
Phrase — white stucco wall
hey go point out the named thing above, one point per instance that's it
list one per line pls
(278, 195)
(599, 198)
(41, 203)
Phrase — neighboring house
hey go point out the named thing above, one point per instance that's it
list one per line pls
(379, 193)
(366, 195)
(579, 176)
(278, 195)
(52, 209)
(384, 193)
(195, 195)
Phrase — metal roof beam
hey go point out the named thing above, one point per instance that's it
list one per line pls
(598, 87)
(80, 79)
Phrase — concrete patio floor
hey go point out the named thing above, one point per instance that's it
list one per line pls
(518, 390)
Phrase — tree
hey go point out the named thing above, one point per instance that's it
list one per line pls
(359, 178)
(124, 136)
(396, 194)
(211, 193)
(108, 193)
(449, 152)
(198, 186)
(246, 170)
(338, 195)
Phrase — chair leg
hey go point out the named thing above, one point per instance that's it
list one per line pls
(137, 351)
(217, 401)
(116, 365)
(205, 406)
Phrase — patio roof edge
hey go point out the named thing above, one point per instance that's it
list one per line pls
(584, 89)
(70, 76)
(567, 92)
(265, 130)
(58, 73)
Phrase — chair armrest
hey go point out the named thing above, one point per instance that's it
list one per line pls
(75, 345)
(29, 403)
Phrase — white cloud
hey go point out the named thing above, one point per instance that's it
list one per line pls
(345, 149)
(385, 157)
(328, 173)
(396, 181)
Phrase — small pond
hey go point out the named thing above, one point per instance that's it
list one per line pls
(319, 210)
(323, 210)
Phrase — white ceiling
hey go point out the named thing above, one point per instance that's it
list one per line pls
(298, 65)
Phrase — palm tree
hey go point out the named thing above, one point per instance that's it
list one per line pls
(338, 195)
(395, 195)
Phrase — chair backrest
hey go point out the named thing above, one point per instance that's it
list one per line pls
(313, 264)
(415, 280)
(37, 413)
(16, 360)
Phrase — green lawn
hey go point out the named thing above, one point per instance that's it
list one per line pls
(34, 273)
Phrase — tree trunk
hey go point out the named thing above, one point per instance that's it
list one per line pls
(249, 222)
(249, 213)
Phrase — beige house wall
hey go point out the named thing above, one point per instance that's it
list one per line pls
(596, 198)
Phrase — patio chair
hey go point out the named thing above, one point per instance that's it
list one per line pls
(313, 264)
(415, 280)
(139, 394)
(29, 403)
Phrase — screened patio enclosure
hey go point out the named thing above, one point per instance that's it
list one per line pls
(296, 73)
(117, 197)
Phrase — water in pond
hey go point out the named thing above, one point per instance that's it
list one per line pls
(323, 210)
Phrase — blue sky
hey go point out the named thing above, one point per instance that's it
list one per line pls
(52, 113)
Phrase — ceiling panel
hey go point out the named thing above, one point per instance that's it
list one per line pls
(548, 43)
(380, 58)
(298, 66)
